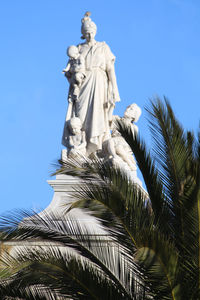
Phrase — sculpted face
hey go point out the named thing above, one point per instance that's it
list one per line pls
(90, 35)
(133, 112)
(75, 129)
(75, 125)
(129, 113)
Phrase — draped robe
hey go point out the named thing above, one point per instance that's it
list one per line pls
(95, 93)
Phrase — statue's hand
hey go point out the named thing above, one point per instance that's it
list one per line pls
(116, 97)
(112, 101)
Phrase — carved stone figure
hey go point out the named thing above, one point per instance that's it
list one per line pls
(76, 143)
(75, 72)
(118, 149)
(98, 92)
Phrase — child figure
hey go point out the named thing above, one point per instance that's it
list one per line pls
(118, 148)
(75, 71)
(76, 142)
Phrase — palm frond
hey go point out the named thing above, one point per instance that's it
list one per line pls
(70, 234)
(151, 247)
(157, 198)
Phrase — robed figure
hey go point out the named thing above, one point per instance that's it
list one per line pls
(92, 98)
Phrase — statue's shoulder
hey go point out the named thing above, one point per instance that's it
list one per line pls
(102, 44)
(107, 51)
(97, 44)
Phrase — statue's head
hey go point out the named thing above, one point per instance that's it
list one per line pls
(88, 28)
(72, 51)
(75, 125)
(133, 112)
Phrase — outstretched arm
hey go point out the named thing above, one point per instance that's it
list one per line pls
(67, 72)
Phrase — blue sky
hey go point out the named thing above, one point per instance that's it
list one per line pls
(157, 49)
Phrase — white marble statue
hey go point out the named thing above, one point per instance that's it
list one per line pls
(75, 72)
(89, 125)
(76, 143)
(118, 149)
(98, 92)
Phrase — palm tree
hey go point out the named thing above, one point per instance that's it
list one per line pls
(156, 252)
(94, 269)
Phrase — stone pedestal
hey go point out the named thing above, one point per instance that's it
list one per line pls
(63, 187)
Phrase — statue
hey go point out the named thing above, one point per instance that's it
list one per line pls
(93, 92)
(92, 96)
(76, 143)
(117, 148)
(75, 72)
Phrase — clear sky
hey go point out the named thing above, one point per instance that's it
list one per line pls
(157, 49)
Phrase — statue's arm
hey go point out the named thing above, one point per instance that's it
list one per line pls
(110, 69)
(112, 79)
(83, 141)
(67, 72)
(134, 129)
(70, 142)
(82, 62)
(67, 68)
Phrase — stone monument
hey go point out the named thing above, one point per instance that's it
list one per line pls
(89, 129)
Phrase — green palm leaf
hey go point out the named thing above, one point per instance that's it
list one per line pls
(70, 234)
(151, 246)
